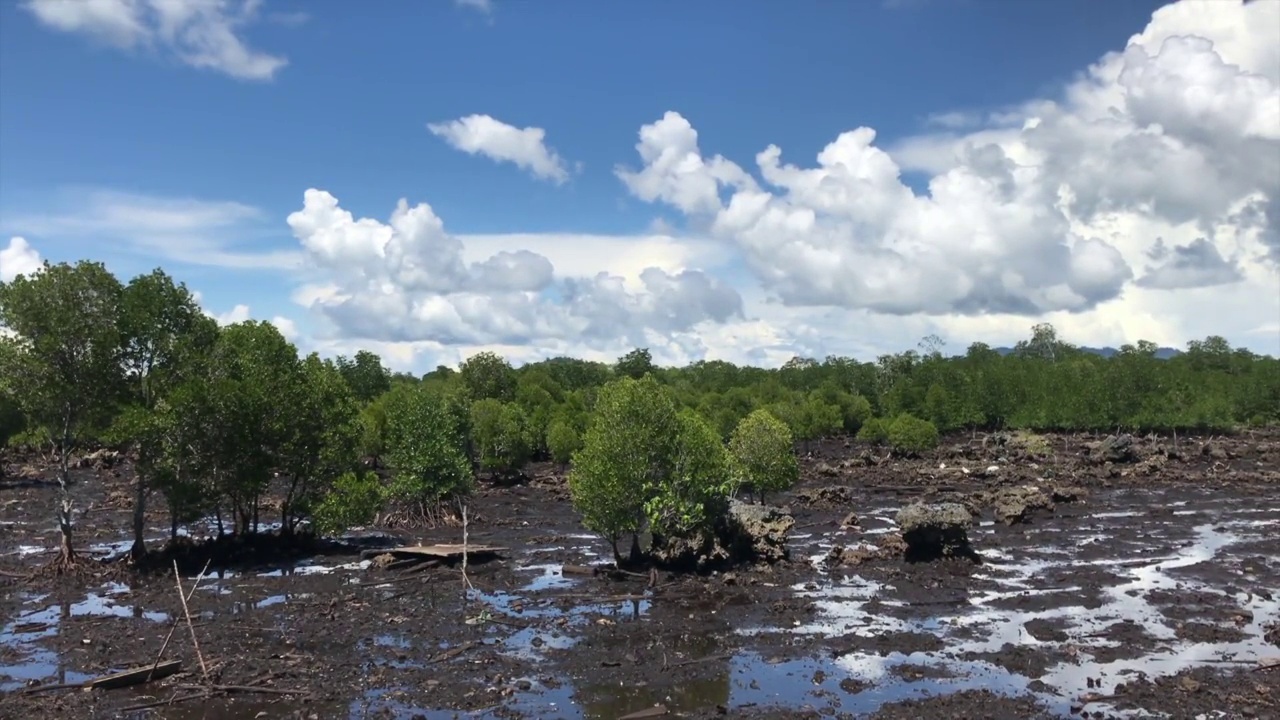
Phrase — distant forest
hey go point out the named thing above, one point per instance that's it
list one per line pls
(214, 414)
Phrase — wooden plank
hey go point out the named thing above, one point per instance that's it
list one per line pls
(446, 552)
(136, 676)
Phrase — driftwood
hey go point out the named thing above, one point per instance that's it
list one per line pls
(128, 678)
(656, 711)
(474, 553)
(136, 676)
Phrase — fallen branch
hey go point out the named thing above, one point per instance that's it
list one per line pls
(50, 688)
(172, 628)
(246, 689)
(452, 653)
(708, 658)
(161, 703)
(129, 678)
(204, 669)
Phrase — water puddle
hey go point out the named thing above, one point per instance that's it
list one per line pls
(972, 632)
(22, 639)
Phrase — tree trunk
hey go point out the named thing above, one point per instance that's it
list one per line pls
(139, 516)
(636, 555)
(67, 555)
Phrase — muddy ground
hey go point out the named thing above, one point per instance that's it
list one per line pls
(1158, 593)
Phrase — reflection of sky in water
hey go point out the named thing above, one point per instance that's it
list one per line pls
(976, 627)
(547, 576)
(23, 634)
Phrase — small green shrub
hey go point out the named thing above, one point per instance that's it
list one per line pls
(762, 454)
(909, 435)
(875, 431)
(354, 499)
(563, 440)
(500, 436)
(424, 448)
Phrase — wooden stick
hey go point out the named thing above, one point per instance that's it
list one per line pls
(204, 669)
(174, 626)
(465, 580)
(159, 703)
(134, 677)
(248, 689)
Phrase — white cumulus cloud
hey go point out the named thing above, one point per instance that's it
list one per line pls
(409, 280)
(525, 148)
(19, 258)
(198, 33)
(1049, 211)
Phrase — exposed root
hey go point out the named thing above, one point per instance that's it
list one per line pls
(424, 515)
(66, 564)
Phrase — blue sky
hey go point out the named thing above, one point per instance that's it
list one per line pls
(188, 140)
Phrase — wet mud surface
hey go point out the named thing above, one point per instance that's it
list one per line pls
(1158, 595)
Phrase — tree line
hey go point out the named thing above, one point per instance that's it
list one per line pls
(218, 418)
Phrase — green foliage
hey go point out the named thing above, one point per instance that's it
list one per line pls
(538, 396)
(64, 367)
(252, 373)
(563, 440)
(323, 439)
(909, 435)
(635, 364)
(874, 431)
(500, 435)
(12, 421)
(809, 418)
(373, 427)
(161, 326)
(364, 375)
(626, 454)
(353, 500)
(854, 408)
(762, 454)
(695, 492)
(425, 452)
(487, 375)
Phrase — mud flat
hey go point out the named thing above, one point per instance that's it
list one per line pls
(1157, 595)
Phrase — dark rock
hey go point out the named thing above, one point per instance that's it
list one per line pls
(747, 533)
(1116, 449)
(1069, 494)
(830, 496)
(934, 531)
(1017, 504)
(765, 529)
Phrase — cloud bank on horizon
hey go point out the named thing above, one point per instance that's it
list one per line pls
(1141, 203)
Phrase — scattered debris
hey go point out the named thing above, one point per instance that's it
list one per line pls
(654, 712)
(829, 496)
(1115, 449)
